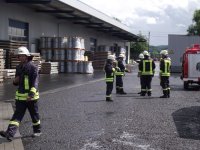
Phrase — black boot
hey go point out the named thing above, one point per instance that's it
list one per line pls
(5, 135)
(142, 93)
(139, 92)
(168, 93)
(149, 93)
(164, 94)
(117, 91)
(108, 99)
(122, 92)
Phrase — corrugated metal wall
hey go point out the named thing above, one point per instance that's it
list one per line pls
(177, 45)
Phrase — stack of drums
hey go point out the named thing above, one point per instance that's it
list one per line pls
(46, 47)
(59, 51)
(68, 51)
(75, 54)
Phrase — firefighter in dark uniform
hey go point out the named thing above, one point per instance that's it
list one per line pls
(119, 74)
(146, 69)
(141, 57)
(26, 96)
(109, 74)
(165, 65)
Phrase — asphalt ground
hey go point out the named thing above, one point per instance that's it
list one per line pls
(77, 117)
(49, 82)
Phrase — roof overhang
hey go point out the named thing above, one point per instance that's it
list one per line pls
(80, 13)
(29, 1)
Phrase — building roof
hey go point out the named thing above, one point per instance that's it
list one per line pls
(80, 13)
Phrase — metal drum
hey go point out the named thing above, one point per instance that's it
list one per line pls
(44, 54)
(70, 42)
(76, 54)
(56, 55)
(62, 67)
(74, 67)
(62, 54)
(42, 42)
(69, 54)
(82, 52)
(82, 43)
(55, 42)
(69, 67)
(49, 54)
(63, 42)
(76, 42)
(80, 67)
(48, 42)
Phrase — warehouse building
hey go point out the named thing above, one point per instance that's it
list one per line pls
(44, 25)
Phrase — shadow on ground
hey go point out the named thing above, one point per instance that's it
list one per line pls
(187, 121)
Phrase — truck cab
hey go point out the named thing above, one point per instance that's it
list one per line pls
(191, 66)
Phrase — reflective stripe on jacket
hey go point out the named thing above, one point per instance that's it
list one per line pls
(109, 72)
(28, 82)
(147, 67)
(120, 69)
(165, 65)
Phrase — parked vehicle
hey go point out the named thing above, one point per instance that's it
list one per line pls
(191, 66)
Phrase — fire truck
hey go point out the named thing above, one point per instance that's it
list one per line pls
(191, 66)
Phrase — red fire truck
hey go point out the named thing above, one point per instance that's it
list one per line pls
(191, 66)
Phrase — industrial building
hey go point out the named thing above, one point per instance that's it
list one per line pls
(177, 45)
(34, 23)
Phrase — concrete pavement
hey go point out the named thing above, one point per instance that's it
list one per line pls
(6, 112)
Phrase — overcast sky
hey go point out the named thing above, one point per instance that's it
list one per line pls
(159, 17)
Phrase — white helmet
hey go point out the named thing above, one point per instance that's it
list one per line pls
(111, 57)
(121, 55)
(145, 53)
(164, 52)
(23, 51)
(141, 56)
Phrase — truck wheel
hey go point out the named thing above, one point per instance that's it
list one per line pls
(186, 85)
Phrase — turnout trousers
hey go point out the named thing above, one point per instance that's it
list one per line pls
(18, 115)
(146, 84)
(119, 83)
(164, 83)
(109, 88)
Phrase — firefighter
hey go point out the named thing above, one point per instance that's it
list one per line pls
(26, 96)
(141, 57)
(146, 69)
(109, 73)
(165, 65)
(120, 72)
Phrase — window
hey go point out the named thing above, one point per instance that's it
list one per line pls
(18, 30)
(93, 44)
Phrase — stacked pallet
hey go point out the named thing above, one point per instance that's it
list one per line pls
(49, 67)
(37, 60)
(15, 61)
(9, 73)
(100, 59)
(11, 46)
(1, 65)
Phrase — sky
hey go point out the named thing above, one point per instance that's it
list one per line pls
(154, 19)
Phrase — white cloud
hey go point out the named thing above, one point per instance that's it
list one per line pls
(181, 25)
(160, 17)
(151, 20)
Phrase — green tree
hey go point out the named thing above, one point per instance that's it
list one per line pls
(194, 29)
(137, 47)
